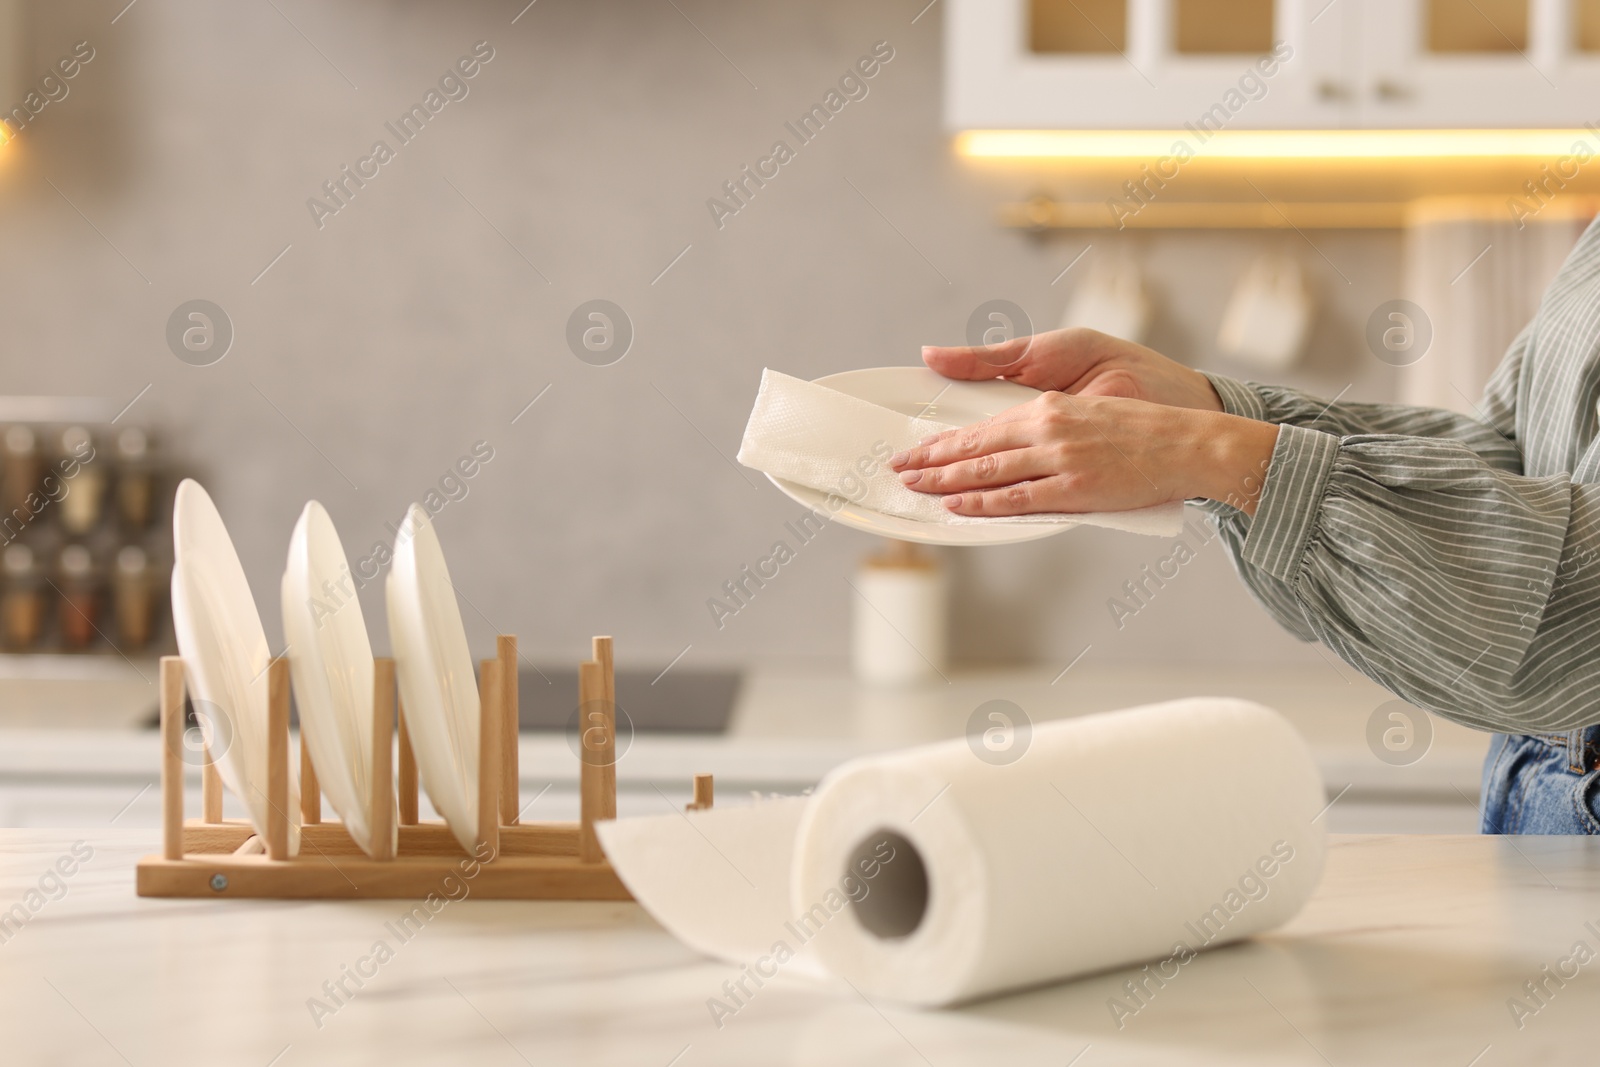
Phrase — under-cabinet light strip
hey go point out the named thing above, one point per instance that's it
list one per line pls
(1277, 144)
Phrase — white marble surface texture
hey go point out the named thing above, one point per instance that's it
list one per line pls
(1411, 952)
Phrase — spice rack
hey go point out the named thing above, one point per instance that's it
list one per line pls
(83, 549)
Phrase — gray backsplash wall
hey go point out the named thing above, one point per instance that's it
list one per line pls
(432, 308)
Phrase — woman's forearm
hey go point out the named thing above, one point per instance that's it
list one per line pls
(1072, 454)
(1225, 458)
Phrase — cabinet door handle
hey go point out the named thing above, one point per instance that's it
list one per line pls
(1391, 92)
(1333, 91)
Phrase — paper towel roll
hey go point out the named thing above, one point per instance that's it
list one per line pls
(1118, 837)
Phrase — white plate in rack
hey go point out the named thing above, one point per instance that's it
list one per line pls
(330, 660)
(919, 392)
(434, 667)
(225, 654)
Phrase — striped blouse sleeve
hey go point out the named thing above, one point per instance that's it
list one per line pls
(1434, 568)
(1492, 434)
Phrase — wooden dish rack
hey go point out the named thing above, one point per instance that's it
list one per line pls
(511, 860)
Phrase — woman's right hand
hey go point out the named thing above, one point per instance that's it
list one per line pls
(1082, 362)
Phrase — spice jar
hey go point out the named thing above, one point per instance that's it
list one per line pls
(22, 601)
(85, 490)
(19, 479)
(80, 607)
(135, 478)
(132, 596)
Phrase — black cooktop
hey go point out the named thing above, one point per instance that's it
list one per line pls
(683, 700)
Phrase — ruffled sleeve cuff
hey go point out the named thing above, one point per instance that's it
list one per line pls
(1239, 398)
(1297, 480)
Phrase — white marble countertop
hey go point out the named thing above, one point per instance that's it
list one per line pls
(1408, 954)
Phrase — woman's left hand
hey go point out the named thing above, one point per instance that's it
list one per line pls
(1061, 453)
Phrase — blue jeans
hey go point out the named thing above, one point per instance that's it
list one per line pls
(1542, 783)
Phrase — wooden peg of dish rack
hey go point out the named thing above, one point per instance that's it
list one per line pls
(511, 860)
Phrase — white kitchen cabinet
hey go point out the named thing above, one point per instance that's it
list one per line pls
(1004, 71)
(1478, 64)
(1271, 64)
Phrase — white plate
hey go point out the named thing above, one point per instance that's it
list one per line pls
(437, 683)
(225, 655)
(330, 660)
(920, 392)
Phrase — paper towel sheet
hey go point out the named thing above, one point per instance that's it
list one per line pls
(934, 876)
(824, 439)
(718, 880)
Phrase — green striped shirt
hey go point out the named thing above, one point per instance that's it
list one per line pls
(1453, 560)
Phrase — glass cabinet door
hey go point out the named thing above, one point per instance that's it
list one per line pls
(1475, 27)
(1222, 27)
(1049, 64)
(1141, 64)
(1586, 27)
(1469, 63)
(1177, 64)
(1077, 27)
(1242, 64)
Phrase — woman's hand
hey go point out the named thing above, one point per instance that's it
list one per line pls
(1090, 453)
(1082, 362)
